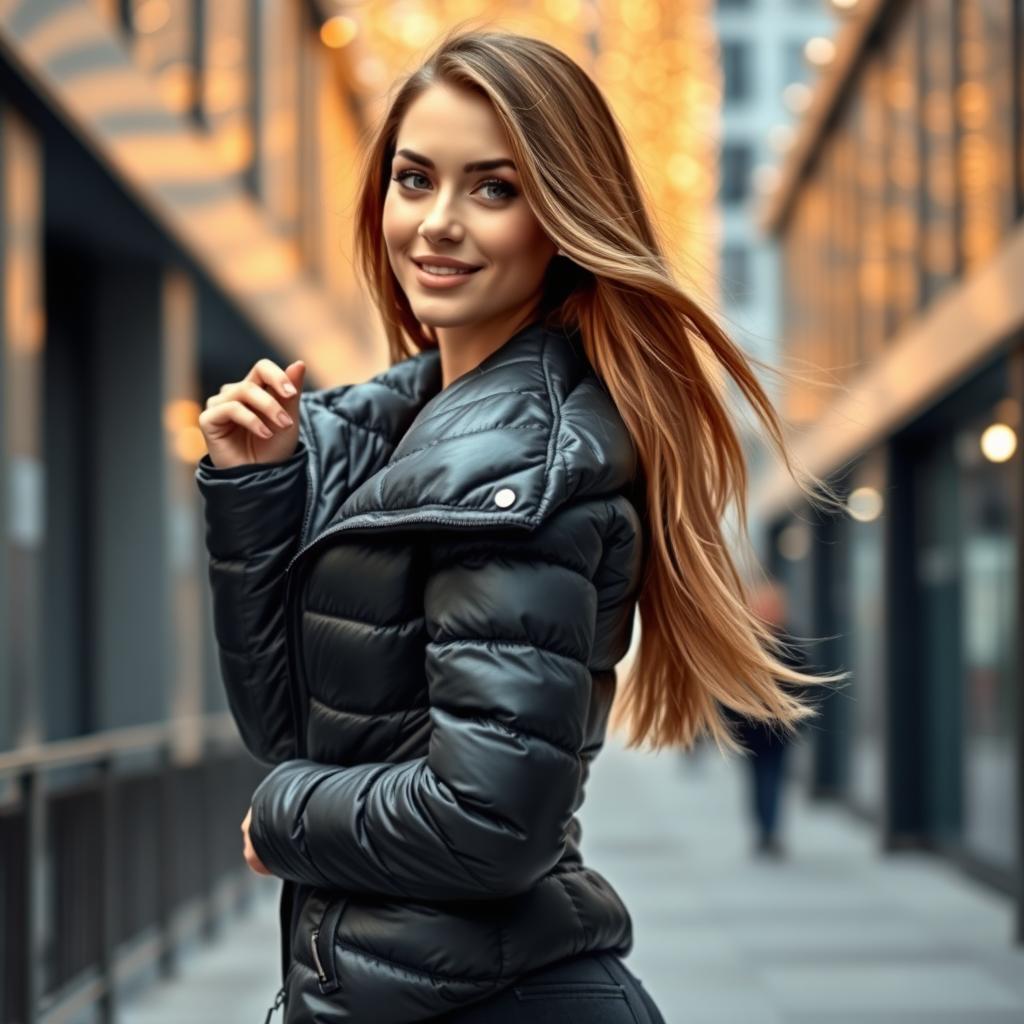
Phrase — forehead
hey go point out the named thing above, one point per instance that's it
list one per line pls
(452, 126)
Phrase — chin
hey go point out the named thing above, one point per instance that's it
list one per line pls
(445, 318)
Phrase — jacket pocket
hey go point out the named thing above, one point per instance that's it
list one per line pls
(321, 945)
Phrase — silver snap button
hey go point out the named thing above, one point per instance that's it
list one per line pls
(504, 497)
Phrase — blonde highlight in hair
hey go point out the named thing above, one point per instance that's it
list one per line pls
(661, 357)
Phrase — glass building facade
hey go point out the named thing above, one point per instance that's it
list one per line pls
(900, 218)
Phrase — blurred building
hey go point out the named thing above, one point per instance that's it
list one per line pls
(771, 53)
(898, 211)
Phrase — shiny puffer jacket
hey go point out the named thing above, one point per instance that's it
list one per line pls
(418, 617)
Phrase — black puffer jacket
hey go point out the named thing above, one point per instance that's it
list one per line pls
(418, 615)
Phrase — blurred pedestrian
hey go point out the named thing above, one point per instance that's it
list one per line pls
(767, 760)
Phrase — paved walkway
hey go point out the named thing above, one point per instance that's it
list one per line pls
(835, 934)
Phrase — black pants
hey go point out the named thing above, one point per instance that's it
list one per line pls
(767, 770)
(595, 988)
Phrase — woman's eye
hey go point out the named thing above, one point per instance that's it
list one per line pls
(508, 191)
(402, 175)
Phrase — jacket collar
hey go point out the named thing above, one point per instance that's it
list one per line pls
(528, 428)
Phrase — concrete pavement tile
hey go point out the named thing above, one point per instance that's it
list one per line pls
(888, 987)
(684, 1002)
(909, 1017)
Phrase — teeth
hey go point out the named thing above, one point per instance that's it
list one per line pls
(442, 271)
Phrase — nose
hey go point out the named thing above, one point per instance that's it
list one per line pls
(440, 220)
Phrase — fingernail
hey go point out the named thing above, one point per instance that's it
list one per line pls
(285, 420)
(288, 388)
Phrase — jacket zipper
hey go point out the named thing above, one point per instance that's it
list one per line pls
(321, 973)
(427, 519)
(328, 927)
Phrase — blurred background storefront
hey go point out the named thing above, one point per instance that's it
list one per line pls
(898, 216)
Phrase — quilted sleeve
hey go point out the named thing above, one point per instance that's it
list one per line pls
(255, 515)
(253, 518)
(510, 625)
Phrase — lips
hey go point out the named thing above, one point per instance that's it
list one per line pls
(443, 282)
(445, 264)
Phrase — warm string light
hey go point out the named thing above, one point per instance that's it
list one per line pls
(998, 442)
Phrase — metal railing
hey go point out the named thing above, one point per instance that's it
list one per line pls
(113, 849)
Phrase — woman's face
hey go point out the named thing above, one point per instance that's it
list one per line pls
(435, 207)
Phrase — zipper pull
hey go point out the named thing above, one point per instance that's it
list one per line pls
(278, 1000)
(320, 972)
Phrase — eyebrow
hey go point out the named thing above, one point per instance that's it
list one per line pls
(476, 165)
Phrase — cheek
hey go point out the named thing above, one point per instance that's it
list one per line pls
(517, 240)
(398, 217)
(390, 222)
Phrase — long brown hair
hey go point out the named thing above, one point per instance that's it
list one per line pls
(660, 356)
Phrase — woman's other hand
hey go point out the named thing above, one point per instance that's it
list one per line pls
(255, 419)
(247, 850)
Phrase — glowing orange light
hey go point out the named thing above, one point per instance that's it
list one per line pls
(181, 413)
(338, 31)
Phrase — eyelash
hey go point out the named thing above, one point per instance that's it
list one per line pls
(511, 191)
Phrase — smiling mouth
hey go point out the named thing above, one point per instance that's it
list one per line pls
(436, 271)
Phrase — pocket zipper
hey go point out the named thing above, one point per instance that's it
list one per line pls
(328, 926)
(321, 973)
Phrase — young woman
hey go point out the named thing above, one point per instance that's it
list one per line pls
(423, 582)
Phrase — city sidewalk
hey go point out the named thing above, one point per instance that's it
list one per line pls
(835, 934)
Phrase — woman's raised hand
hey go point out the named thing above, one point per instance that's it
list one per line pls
(255, 419)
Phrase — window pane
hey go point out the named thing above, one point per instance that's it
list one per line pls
(736, 273)
(1019, 86)
(985, 115)
(279, 149)
(164, 44)
(869, 104)
(989, 626)
(866, 640)
(226, 103)
(794, 65)
(735, 65)
(939, 172)
(737, 159)
(846, 241)
(903, 171)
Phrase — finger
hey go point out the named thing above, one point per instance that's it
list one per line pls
(266, 371)
(264, 402)
(234, 412)
(253, 860)
(251, 394)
